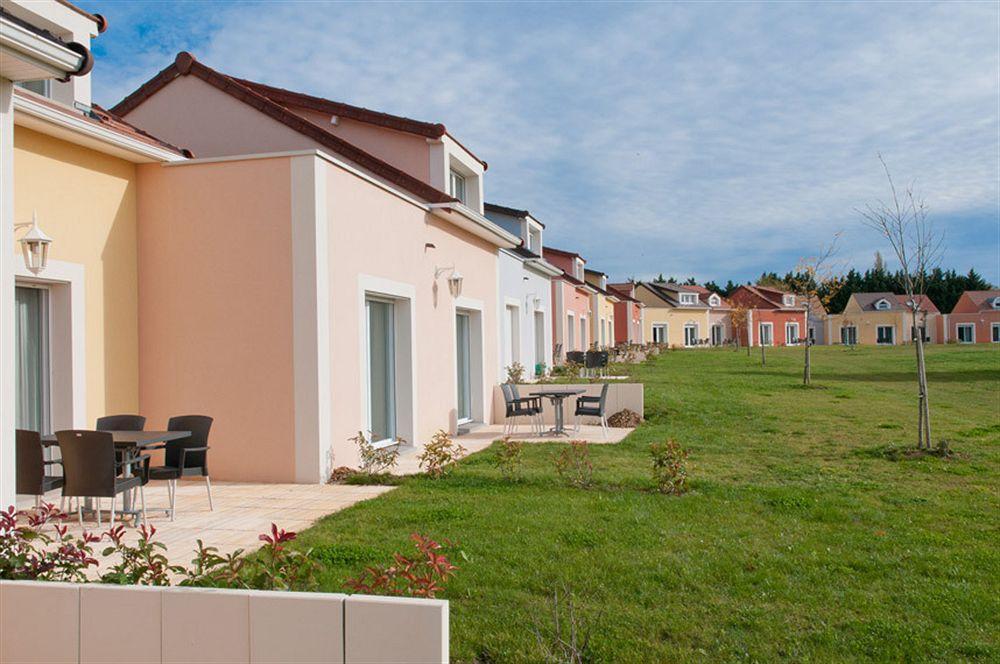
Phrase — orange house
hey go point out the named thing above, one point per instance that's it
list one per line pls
(975, 318)
(776, 318)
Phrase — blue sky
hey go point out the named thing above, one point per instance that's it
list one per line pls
(705, 140)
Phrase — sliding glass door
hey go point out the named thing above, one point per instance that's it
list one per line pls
(381, 369)
(31, 306)
(463, 362)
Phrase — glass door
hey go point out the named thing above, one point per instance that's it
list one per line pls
(716, 335)
(463, 362)
(31, 306)
(381, 370)
(690, 334)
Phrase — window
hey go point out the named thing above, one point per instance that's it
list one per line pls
(995, 329)
(604, 338)
(381, 370)
(42, 86)
(714, 301)
(791, 334)
(583, 334)
(578, 269)
(457, 185)
(966, 333)
(512, 332)
(463, 363)
(717, 333)
(570, 333)
(690, 334)
(689, 298)
(849, 335)
(923, 333)
(883, 305)
(31, 372)
(788, 300)
(885, 335)
(539, 339)
(660, 333)
(766, 334)
(535, 241)
(996, 303)
(812, 336)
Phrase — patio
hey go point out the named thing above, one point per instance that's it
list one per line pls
(242, 512)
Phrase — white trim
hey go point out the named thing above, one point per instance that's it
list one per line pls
(478, 407)
(697, 333)
(770, 326)
(882, 343)
(475, 223)
(312, 365)
(993, 328)
(8, 259)
(18, 42)
(76, 129)
(798, 330)
(961, 325)
(403, 292)
(67, 335)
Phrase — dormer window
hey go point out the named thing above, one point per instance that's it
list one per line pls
(788, 300)
(534, 241)
(578, 269)
(456, 185)
(883, 305)
(41, 87)
(689, 298)
(714, 301)
(996, 303)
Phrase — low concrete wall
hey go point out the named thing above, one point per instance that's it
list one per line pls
(66, 622)
(620, 396)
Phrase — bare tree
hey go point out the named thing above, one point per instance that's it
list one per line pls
(817, 282)
(904, 223)
(740, 317)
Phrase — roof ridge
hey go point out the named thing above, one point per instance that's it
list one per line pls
(185, 64)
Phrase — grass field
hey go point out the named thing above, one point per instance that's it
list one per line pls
(799, 540)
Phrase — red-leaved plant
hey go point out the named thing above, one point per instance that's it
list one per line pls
(141, 564)
(29, 551)
(423, 575)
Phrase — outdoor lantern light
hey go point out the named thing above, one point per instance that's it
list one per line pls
(34, 246)
(455, 283)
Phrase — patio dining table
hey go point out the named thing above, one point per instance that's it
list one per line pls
(557, 397)
(130, 442)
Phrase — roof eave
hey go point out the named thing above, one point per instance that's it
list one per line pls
(470, 220)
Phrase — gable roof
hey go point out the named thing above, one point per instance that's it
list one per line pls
(185, 64)
(771, 296)
(983, 299)
(670, 293)
(620, 294)
(867, 302)
(560, 252)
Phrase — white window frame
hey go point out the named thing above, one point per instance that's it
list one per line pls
(852, 333)
(662, 328)
(883, 305)
(689, 298)
(718, 333)
(714, 300)
(458, 185)
(995, 332)
(770, 333)
(971, 326)
(691, 327)
(570, 332)
(788, 327)
(892, 335)
(788, 300)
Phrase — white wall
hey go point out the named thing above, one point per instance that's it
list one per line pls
(6, 293)
(523, 285)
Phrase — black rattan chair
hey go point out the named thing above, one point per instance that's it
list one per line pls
(121, 423)
(518, 406)
(185, 457)
(31, 466)
(91, 470)
(593, 407)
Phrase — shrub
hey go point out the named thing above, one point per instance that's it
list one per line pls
(515, 373)
(142, 564)
(567, 636)
(28, 552)
(423, 575)
(670, 467)
(376, 460)
(440, 455)
(573, 464)
(624, 419)
(507, 457)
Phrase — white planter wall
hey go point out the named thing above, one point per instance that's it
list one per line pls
(65, 622)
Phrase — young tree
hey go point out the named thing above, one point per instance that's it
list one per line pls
(740, 317)
(903, 222)
(816, 283)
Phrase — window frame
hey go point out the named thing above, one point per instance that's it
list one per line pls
(691, 327)
(851, 332)
(662, 327)
(458, 180)
(892, 335)
(995, 333)
(770, 333)
(969, 326)
(689, 298)
(789, 325)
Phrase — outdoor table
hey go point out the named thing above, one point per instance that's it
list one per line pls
(557, 397)
(130, 442)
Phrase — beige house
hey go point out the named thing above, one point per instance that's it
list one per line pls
(683, 316)
(883, 319)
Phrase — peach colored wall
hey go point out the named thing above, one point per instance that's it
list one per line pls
(86, 201)
(380, 235)
(983, 320)
(577, 302)
(407, 152)
(215, 309)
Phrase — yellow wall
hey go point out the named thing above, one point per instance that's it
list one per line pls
(605, 309)
(86, 202)
(676, 318)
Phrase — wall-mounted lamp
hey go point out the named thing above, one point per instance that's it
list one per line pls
(34, 245)
(454, 280)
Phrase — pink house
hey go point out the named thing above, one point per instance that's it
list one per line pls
(571, 303)
(628, 314)
(975, 318)
(307, 276)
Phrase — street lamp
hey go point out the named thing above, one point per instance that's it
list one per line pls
(34, 245)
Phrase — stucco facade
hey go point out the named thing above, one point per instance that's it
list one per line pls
(775, 317)
(975, 318)
(862, 323)
(628, 315)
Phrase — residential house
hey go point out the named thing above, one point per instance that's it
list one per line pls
(602, 305)
(571, 303)
(628, 314)
(975, 318)
(71, 326)
(677, 316)
(883, 319)
(525, 298)
(321, 269)
(816, 323)
(774, 317)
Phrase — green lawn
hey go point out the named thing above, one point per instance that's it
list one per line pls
(798, 540)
